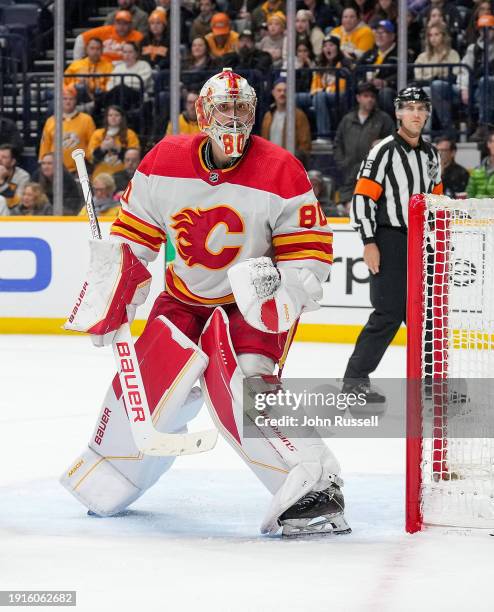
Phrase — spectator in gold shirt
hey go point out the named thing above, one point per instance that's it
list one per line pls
(89, 88)
(107, 146)
(77, 130)
(355, 36)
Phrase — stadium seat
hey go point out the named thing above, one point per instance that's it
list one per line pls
(25, 14)
(24, 21)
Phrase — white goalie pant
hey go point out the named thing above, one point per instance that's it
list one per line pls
(288, 467)
(112, 473)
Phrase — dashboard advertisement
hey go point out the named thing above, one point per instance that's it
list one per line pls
(43, 264)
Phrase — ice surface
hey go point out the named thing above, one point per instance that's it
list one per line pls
(192, 542)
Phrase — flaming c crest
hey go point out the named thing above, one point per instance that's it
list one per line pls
(194, 228)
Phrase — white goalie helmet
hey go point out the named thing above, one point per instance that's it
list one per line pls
(226, 110)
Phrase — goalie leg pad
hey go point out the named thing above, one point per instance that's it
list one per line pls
(170, 364)
(289, 468)
(222, 387)
(98, 485)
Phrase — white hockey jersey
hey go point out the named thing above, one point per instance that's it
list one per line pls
(262, 206)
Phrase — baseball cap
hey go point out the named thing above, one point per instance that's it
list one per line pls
(386, 24)
(123, 16)
(485, 21)
(220, 23)
(332, 39)
(247, 33)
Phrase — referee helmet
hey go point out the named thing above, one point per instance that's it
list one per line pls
(412, 94)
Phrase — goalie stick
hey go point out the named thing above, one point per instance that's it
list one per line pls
(147, 438)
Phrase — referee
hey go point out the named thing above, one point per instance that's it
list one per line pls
(396, 168)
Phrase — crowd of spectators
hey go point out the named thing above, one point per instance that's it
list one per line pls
(107, 145)
(346, 61)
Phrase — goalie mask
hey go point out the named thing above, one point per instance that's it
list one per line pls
(226, 110)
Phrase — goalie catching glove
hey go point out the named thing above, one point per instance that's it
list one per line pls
(117, 282)
(270, 299)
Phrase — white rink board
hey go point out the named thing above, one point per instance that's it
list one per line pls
(66, 267)
(345, 299)
(346, 296)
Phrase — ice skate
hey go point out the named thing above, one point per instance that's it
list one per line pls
(317, 513)
(372, 396)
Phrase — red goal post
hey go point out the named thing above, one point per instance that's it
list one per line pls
(450, 361)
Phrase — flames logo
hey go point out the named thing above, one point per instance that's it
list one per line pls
(197, 242)
(232, 80)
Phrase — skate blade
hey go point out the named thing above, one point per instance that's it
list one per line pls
(331, 524)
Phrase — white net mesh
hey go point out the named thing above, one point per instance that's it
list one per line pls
(458, 346)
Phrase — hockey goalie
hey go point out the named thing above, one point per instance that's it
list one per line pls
(252, 248)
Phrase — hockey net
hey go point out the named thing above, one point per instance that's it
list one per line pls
(450, 363)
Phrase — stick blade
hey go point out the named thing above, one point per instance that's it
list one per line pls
(163, 444)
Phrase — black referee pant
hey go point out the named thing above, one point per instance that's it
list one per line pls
(388, 291)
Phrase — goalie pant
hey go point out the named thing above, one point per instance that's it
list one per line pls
(112, 473)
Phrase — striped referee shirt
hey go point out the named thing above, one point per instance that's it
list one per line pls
(391, 173)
